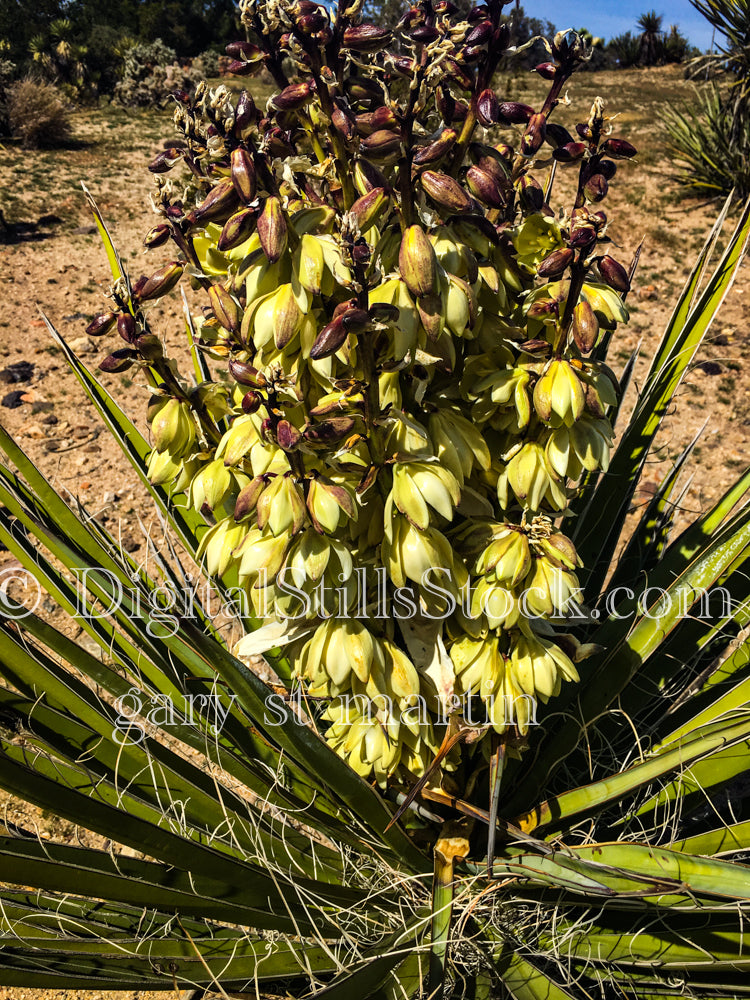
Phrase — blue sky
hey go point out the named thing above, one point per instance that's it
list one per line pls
(607, 18)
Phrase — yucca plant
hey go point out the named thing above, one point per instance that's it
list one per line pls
(275, 842)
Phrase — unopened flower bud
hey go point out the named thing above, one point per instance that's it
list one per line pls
(225, 309)
(119, 361)
(126, 327)
(557, 135)
(368, 210)
(272, 229)
(157, 236)
(488, 108)
(161, 281)
(585, 327)
(367, 38)
(245, 114)
(251, 401)
(596, 188)
(149, 347)
(237, 229)
(546, 70)
(614, 274)
(513, 113)
(329, 431)
(425, 34)
(436, 150)
(293, 97)
(218, 204)
(458, 75)
(382, 144)
(480, 34)
(165, 160)
(570, 152)
(248, 496)
(445, 191)
(619, 147)
(417, 262)
(607, 169)
(287, 436)
(484, 185)
(243, 50)
(533, 137)
(367, 177)
(245, 374)
(101, 324)
(343, 122)
(531, 193)
(556, 264)
(330, 339)
(243, 175)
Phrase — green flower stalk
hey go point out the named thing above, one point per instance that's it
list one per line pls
(407, 393)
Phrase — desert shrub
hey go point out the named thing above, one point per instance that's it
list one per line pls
(151, 74)
(37, 113)
(7, 73)
(677, 47)
(206, 65)
(625, 50)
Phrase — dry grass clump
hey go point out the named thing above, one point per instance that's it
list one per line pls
(37, 114)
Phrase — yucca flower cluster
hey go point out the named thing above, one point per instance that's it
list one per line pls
(404, 335)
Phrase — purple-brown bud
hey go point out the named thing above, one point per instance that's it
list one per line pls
(165, 160)
(513, 113)
(570, 152)
(237, 229)
(533, 137)
(614, 274)
(531, 193)
(607, 169)
(367, 38)
(330, 339)
(119, 361)
(248, 496)
(480, 33)
(225, 309)
(558, 135)
(218, 204)
(458, 75)
(488, 108)
(293, 97)
(272, 229)
(619, 147)
(436, 150)
(243, 175)
(243, 50)
(546, 70)
(343, 122)
(445, 191)
(101, 324)
(484, 185)
(126, 327)
(251, 401)
(329, 431)
(245, 114)
(368, 177)
(149, 347)
(382, 144)
(287, 437)
(244, 374)
(417, 262)
(585, 327)
(424, 34)
(556, 264)
(368, 210)
(157, 236)
(596, 188)
(238, 67)
(161, 281)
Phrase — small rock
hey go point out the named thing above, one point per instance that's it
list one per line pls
(13, 400)
(84, 231)
(34, 431)
(49, 419)
(21, 371)
(86, 484)
(82, 345)
(710, 367)
(648, 292)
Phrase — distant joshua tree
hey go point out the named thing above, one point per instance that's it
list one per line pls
(652, 38)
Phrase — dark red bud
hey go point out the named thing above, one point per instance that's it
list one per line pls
(614, 274)
(119, 361)
(243, 175)
(287, 436)
(237, 229)
(556, 264)
(480, 34)
(329, 340)
(101, 324)
(557, 135)
(245, 114)
(157, 236)
(513, 113)
(293, 97)
(243, 50)
(424, 34)
(251, 402)
(546, 70)
(239, 68)
(245, 374)
(367, 38)
(619, 147)
(382, 144)
(534, 135)
(531, 194)
(488, 108)
(484, 185)
(328, 431)
(607, 169)
(596, 188)
(165, 160)
(584, 131)
(126, 327)
(436, 150)
(570, 152)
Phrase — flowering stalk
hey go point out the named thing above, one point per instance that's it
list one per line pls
(409, 398)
